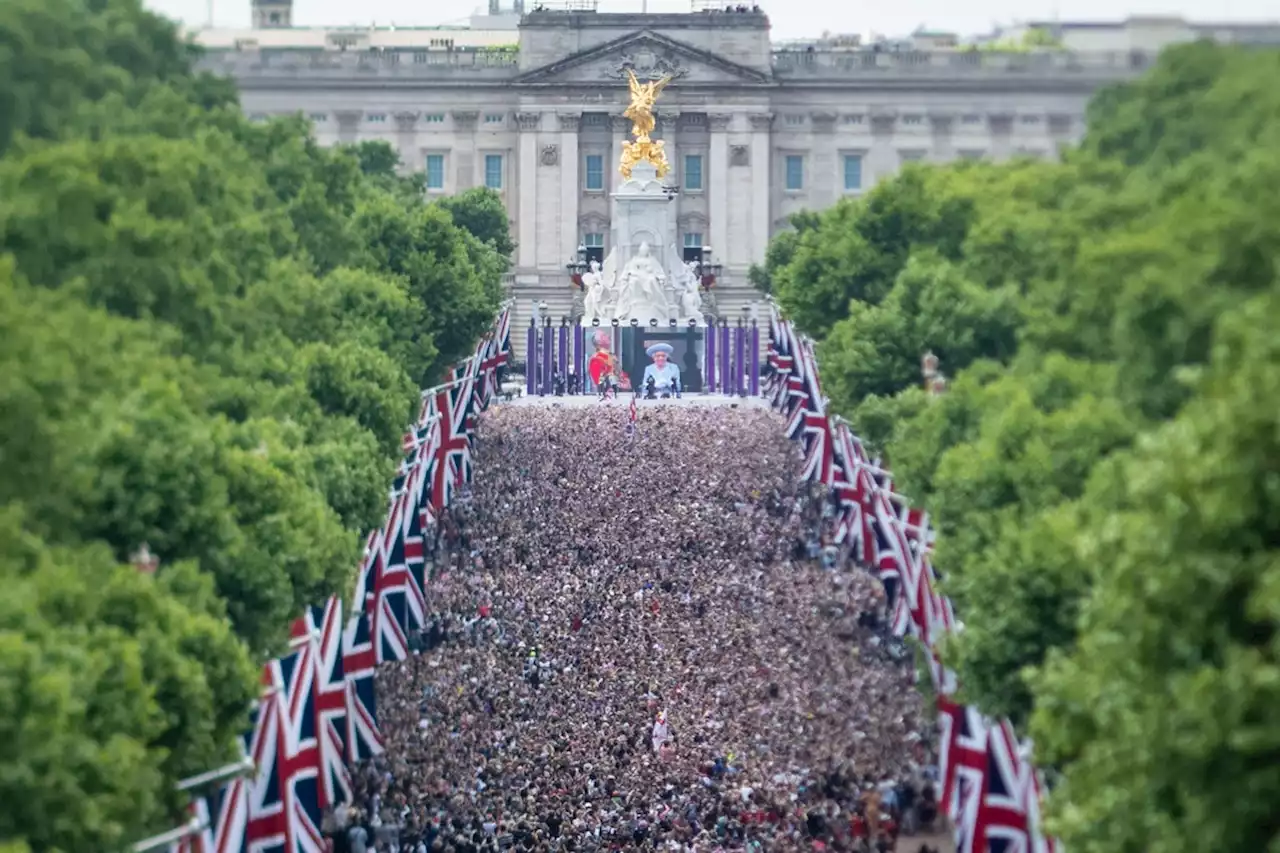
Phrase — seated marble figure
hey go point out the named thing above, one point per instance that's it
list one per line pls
(664, 372)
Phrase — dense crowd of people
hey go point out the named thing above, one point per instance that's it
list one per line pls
(637, 644)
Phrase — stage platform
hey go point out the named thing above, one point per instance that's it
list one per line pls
(623, 400)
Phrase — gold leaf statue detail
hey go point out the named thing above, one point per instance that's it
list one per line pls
(640, 111)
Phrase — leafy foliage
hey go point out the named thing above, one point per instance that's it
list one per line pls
(211, 336)
(1102, 466)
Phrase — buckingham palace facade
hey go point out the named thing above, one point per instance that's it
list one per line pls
(755, 131)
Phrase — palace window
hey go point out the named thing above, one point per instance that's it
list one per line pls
(594, 243)
(493, 171)
(318, 118)
(795, 171)
(435, 171)
(693, 171)
(494, 118)
(434, 118)
(692, 246)
(595, 172)
(911, 155)
(852, 172)
(376, 118)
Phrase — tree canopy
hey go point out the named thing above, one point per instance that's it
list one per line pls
(212, 333)
(1102, 466)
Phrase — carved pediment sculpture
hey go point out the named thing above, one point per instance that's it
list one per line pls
(648, 64)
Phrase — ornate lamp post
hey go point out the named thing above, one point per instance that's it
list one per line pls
(577, 267)
(708, 270)
(928, 367)
(144, 561)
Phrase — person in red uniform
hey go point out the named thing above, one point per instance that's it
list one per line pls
(603, 364)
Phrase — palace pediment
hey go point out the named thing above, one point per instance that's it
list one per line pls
(650, 55)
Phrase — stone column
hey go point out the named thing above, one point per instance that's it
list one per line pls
(406, 137)
(667, 124)
(621, 127)
(882, 159)
(569, 191)
(761, 184)
(528, 123)
(1060, 132)
(718, 182)
(468, 172)
(348, 125)
(1001, 126)
(827, 175)
(942, 123)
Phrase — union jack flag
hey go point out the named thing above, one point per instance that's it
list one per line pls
(962, 763)
(298, 749)
(265, 829)
(1001, 825)
(452, 464)
(363, 739)
(502, 339)
(329, 697)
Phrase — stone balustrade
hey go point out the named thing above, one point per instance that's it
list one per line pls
(798, 64)
(803, 63)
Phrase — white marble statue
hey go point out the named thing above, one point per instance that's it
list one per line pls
(690, 297)
(641, 289)
(594, 289)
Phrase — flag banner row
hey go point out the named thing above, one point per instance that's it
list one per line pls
(989, 786)
(317, 713)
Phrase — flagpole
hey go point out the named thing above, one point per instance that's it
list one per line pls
(173, 836)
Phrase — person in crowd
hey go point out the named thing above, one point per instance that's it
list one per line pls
(640, 650)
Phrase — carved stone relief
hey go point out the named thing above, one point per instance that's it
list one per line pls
(648, 64)
(718, 121)
(528, 121)
(465, 119)
(348, 119)
(569, 122)
(406, 120)
(882, 121)
(1000, 122)
(550, 155)
(823, 122)
(761, 121)
(739, 155)
(619, 124)
(1059, 124)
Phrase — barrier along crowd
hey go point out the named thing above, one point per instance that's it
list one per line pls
(689, 640)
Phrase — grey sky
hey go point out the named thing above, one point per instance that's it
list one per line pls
(791, 19)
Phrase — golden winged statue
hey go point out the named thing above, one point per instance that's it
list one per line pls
(643, 98)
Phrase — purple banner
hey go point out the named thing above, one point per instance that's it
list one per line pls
(709, 346)
(726, 360)
(754, 376)
(564, 354)
(579, 336)
(531, 360)
(548, 354)
(740, 358)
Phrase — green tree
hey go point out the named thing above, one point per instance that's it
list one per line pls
(481, 213)
(111, 687)
(1163, 718)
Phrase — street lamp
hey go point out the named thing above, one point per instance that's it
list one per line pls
(708, 270)
(144, 561)
(928, 366)
(578, 265)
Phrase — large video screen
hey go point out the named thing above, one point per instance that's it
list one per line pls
(688, 353)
